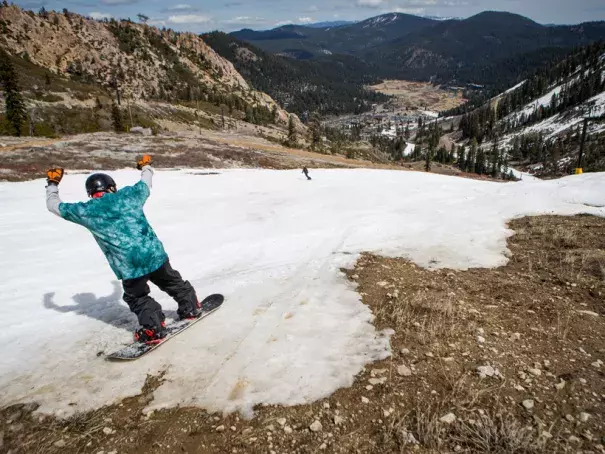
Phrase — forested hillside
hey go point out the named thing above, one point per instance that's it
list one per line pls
(539, 121)
(73, 67)
(329, 85)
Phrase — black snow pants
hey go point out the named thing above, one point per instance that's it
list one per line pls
(148, 310)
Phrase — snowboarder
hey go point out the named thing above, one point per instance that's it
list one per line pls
(306, 172)
(118, 224)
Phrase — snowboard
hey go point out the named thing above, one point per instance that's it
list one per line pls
(137, 349)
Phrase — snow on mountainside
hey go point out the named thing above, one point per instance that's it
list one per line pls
(558, 123)
(292, 329)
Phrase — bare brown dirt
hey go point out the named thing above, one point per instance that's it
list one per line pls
(535, 327)
(26, 158)
(420, 95)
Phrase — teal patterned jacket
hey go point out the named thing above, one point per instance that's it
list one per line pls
(118, 224)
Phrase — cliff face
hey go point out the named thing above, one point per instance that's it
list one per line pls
(145, 62)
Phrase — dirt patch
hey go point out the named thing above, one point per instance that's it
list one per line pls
(25, 159)
(419, 95)
(506, 360)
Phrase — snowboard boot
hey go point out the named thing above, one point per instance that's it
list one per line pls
(148, 335)
(190, 313)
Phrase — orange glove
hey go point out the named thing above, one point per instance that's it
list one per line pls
(54, 176)
(145, 161)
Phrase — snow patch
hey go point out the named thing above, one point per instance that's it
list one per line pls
(292, 329)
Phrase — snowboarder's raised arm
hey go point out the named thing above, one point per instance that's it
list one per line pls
(53, 178)
(144, 165)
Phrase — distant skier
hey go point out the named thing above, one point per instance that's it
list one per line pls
(306, 172)
(135, 254)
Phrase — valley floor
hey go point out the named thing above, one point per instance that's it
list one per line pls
(372, 363)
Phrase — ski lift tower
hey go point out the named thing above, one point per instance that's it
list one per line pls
(587, 120)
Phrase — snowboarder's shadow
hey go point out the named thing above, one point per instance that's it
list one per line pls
(107, 309)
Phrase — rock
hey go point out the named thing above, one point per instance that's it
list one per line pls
(316, 426)
(481, 339)
(519, 388)
(382, 284)
(487, 371)
(592, 314)
(375, 372)
(515, 336)
(535, 372)
(429, 355)
(569, 418)
(281, 421)
(369, 388)
(288, 429)
(584, 417)
(108, 430)
(338, 420)
(481, 331)
(365, 400)
(574, 439)
(404, 371)
(233, 428)
(448, 419)
(220, 428)
(528, 404)
(546, 435)
(546, 363)
(142, 131)
(561, 385)
(323, 446)
(405, 351)
(377, 381)
(59, 444)
(247, 431)
(597, 364)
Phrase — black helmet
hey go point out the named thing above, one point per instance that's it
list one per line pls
(99, 182)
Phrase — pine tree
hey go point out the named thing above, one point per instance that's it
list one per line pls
(427, 161)
(315, 129)
(116, 118)
(495, 156)
(16, 113)
(462, 159)
(292, 139)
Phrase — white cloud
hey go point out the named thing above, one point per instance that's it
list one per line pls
(189, 19)
(371, 3)
(118, 2)
(305, 20)
(157, 22)
(245, 20)
(406, 10)
(283, 22)
(99, 16)
(180, 7)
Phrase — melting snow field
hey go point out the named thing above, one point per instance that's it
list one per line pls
(292, 329)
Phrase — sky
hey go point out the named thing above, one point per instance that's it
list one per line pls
(229, 15)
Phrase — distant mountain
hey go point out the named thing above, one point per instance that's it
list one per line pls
(338, 23)
(330, 85)
(352, 39)
(462, 49)
(494, 48)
